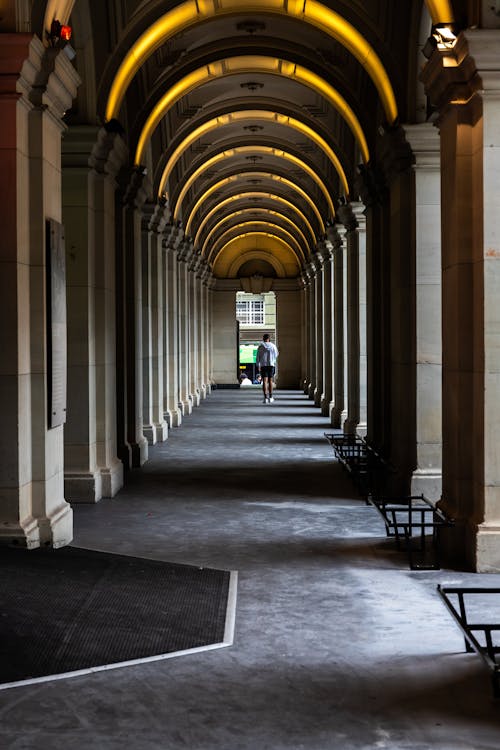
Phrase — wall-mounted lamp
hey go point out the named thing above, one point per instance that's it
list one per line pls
(445, 36)
(59, 34)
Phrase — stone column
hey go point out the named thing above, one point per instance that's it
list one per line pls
(154, 218)
(185, 396)
(464, 84)
(193, 323)
(427, 477)
(311, 273)
(133, 446)
(36, 87)
(399, 416)
(304, 307)
(337, 407)
(326, 250)
(172, 409)
(210, 282)
(351, 322)
(319, 327)
(359, 213)
(91, 161)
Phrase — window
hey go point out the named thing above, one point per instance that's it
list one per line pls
(250, 312)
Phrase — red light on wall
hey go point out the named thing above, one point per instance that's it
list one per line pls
(66, 33)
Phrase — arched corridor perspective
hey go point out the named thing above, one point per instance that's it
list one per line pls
(337, 643)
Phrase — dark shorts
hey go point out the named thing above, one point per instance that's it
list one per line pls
(267, 371)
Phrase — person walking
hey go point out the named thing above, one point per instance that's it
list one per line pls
(267, 354)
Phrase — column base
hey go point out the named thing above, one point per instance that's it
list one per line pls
(23, 534)
(469, 547)
(310, 390)
(487, 548)
(83, 487)
(204, 391)
(173, 417)
(186, 406)
(317, 397)
(56, 530)
(112, 479)
(362, 429)
(195, 398)
(335, 415)
(161, 431)
(350, 426)
(428, 483)
(149, 433)
(325, 406)
(138, 453)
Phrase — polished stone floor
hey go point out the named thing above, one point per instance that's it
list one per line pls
(337, 644)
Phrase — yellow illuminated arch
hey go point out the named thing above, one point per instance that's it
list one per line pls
(255, 194)
(260, 212)
(290, 239)
(441, 11)
(250, 64)
(240, 177)
(238, 150)
(244, 247)
(193, 11)
(260, 114)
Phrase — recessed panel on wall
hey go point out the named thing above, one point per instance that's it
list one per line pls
(56, 324)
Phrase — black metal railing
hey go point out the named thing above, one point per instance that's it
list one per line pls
(478, 636)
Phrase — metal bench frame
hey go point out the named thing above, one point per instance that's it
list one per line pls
(362, 462)
(409, 520)
(489, 652)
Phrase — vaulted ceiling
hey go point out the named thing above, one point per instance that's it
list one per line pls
(251, 117)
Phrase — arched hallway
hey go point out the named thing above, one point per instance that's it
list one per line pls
(337, 644)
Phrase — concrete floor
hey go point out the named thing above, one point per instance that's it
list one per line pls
(337, 645)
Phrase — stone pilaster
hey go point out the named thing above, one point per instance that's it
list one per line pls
(464, 84)
(36, 87)
(185, 395)
(359, 213)
(92, 158)
(154, 219)
(304, 308)
(132, 445)
(319, 328)
(398, 308)
(346, 216)
(427, 476)
(337, 406)
(311, 275)
(193, 323)
(173, 414)
(325, 248)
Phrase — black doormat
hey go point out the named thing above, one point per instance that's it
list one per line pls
(72, 610)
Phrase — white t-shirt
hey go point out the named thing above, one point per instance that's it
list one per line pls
(267, 354)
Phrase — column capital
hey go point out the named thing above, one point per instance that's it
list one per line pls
(451, 76)
(173, 234)
(396, 155)
(370, 184)
(325, 250)
(359, 211)
(333, 236)
(347, 217)
(185, 251)
(425, 143)
(134, 185)
(48, 78)
(155, 217)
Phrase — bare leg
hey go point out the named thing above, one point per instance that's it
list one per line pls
(270, 381)
(264, 386)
